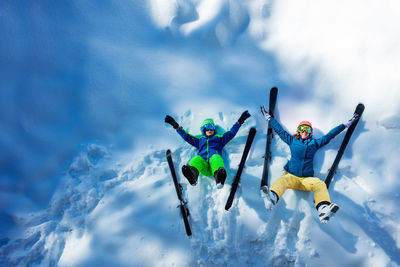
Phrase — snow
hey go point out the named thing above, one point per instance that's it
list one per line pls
(85, 88)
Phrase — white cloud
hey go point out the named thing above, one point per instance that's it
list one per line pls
(207, 10)
(352, 45)
(163, 11)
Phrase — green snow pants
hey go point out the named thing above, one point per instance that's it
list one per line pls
(207, 169)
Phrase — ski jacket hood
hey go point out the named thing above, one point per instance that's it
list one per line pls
(207, 124)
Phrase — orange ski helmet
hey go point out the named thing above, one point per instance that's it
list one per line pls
(305, 123)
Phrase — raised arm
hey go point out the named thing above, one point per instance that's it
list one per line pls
(335, 131)
(193, 140)
(329, 136)
(228, 136)
(285, 136)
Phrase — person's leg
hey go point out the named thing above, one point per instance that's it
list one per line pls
(323, 204)
(218, 168)
(216, 162)
(191, 171)
(321, 194)
(201, 165)
(286, 181)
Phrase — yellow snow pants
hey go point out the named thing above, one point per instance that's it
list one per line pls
(290, 181)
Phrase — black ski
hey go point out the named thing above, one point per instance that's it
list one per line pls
(359, 110)
(178, 187)
(235, 183)
(267, 157)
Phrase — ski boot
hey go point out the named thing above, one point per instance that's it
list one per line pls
(220, 177)
(325, 212)
(191, 174)
(270, 198)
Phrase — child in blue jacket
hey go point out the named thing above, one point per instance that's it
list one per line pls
(299, 170)
(209, 160)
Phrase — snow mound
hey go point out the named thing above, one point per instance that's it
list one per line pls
(391, 122)
(131, 63)
(106, 211)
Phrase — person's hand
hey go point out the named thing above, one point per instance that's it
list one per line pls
(351, 121)
(265, 113)
(245, 115)
(170, 120)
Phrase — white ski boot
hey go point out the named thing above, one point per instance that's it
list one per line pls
(269, 197)
(325, 212)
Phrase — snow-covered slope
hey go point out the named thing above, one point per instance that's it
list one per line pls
(86, 86)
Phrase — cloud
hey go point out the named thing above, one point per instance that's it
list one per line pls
(346, 49)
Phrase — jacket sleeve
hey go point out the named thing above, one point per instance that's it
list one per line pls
(193, 140)
(329, 136)
(285, 136)
(228, 136)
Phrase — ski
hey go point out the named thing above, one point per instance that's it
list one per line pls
(359, 111)
(178, 187)
(267, 156)
(235, 183)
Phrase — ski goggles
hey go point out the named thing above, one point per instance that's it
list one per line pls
(304, 128)
(209, 127)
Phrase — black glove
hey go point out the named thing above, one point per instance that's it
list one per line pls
(170, 120)
(243, 117)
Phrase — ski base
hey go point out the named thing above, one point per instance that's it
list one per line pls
(178, 187)
(235, 183)
(273, 93)
(359, 111)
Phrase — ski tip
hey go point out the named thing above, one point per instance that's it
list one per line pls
(359, 109)
(253, 129)
(228, 204)
(168, 152)
(360, 106)
(274, 88)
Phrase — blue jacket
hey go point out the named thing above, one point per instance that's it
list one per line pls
(208, 146)
(303, 151)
